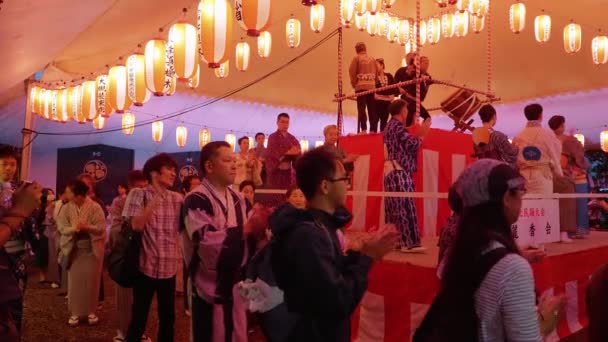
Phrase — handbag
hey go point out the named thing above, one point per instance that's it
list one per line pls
(123, 259)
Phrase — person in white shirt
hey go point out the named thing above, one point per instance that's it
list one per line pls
(539, 152)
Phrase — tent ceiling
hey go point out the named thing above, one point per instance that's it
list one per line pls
(80, 37)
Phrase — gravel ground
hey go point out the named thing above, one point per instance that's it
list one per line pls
(46, 317)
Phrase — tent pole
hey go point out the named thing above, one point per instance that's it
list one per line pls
(340, 122)
(26, 138)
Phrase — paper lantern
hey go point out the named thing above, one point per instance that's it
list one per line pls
(517, 17)
(361, 22)
(347, 12)
(599, 50)
(384, 22)
(447, 25)
(393, 30)
(463, 5)
(223, 70)
(542, 28)
(215, 31)
(477, 23)
(389, 3)
(360, 7)
(74, 104)
(38, 103)
(264, 44)
(102, 103)
(253, 15)
(461, 24)
(53, 106)
(181, 136)
(204, 137)
(266, 142)
(292, 32)
(479, 8)
(33, 98)
(403, 62)
(157, 131)
(404, 31)
(423, 33)
(155, 66)
(194, 81)
(372, 24)
(319, 143)
(89, 93)
(242, 56)
(304, 145)
(604, 140)
(62, 105)
(136, 80)
(580, 138)
(117, 89)
(128, 123)
(442, 3)
(99, 122)
(309, 3)
(572, 38)
(46, 104)
(251, 142)
(317, 17)
(373, 6)
(433, 30)
(183, 39)
(231, 139)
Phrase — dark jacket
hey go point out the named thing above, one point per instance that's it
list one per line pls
(321, 284)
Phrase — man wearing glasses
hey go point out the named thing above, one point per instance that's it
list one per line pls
(323, 281)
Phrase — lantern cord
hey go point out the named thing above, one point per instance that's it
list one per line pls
(208, 102)
(489, 47)
(418, 52)
(340, 122)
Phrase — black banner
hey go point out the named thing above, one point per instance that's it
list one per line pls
(108, 165)
(188, 164)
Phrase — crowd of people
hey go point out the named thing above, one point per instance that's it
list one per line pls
(284, 260)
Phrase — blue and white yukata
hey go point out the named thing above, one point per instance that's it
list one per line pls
(400, 165)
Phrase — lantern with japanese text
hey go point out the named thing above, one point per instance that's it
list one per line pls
(599, 50)
(155, 66)
(102, 103)
(117, 89)
(572, 38)
(422, 32)
(393, 30)
(253, 16)
(293, 29)
(74, 105)
(194, 81)
(89, 93)
(136, 80)
(34, 91)
(204, 137)
(372, 24)
(183, 39)
(384, 22)
(360, 7)
(477, 23)
(542, 28)
(347, 12)
(128, 123)
(604, 141)
(157, 131)
(433, 30)
(46, 104)
(53, 106)
(231, 140)
(62, 105)
(404, 31)
(461, 24)
(181, 136)
(447, 25)
(215, 31)
(517, 17)
(171, 87)
(264, 44)
(223, 70)
(317, 17)
(242, 56)
(99, 122)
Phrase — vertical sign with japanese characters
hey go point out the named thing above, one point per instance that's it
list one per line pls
(538, 222)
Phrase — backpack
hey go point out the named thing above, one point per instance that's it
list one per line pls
(440, 325)
(123, 259)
